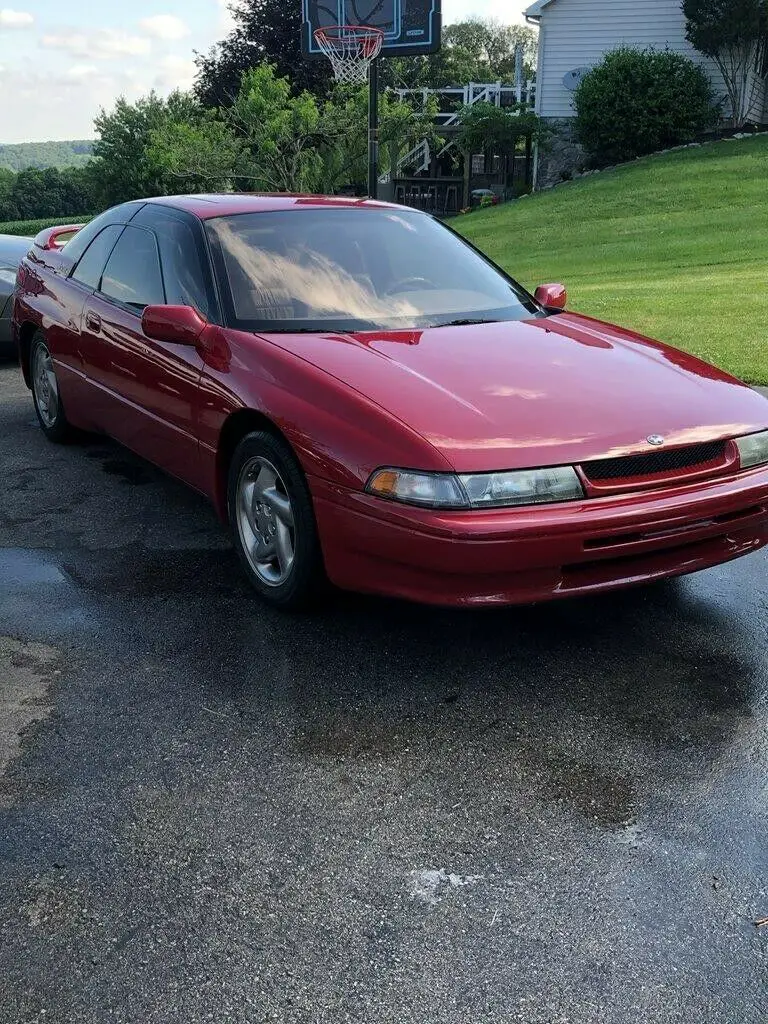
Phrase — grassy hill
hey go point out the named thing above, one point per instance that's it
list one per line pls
(673, 246)
(19, 156)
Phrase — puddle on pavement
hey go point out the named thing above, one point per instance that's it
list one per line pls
(35, 590)
(149, 573)
(21, 567)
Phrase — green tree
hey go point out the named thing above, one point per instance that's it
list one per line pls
(476, 50)
(484, 127)
(281, 133)
(344, 125)
(734, 34)
(125, 136)
(199, 156)
(8, 209)
(266, 31)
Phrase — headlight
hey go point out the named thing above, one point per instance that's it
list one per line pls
(753, 449)
(524, 487)
(477, 490)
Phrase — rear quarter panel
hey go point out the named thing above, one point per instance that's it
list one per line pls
(45, 300)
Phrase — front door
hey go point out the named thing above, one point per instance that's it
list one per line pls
(149, 389)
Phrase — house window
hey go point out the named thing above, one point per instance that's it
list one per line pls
(478, 163)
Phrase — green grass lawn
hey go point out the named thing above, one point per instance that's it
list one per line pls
(31, 227)
(673, 246)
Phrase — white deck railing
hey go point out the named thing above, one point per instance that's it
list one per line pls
(522, 95)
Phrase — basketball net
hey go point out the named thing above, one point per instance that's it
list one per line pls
(350, 49)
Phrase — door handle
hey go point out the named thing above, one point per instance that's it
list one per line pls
(93, 321)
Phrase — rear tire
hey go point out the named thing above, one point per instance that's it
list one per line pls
(46, 393)
(273, 522)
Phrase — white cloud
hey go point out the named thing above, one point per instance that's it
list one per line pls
(78, 72)
(15, 19)
(102, 45)
(165, 26)
(175, 72)
(66, 112)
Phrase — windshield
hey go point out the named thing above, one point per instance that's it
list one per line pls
(355, 270)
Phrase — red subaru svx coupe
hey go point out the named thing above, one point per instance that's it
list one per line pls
(367, 399)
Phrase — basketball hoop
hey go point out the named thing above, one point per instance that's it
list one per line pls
(350, 49)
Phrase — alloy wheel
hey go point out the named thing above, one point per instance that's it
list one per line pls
(265, 521)
(45, 386)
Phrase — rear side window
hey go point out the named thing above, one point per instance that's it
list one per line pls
(88, 271)
(117, 215)
(132, 274)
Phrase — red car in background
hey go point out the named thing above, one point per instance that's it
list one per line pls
(366, 398)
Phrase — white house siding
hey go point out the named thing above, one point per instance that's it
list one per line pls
(576, 33)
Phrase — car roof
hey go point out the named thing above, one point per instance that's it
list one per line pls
(228, 203)
(13, 249)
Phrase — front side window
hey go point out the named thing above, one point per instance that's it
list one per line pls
(91, 265)
(353, 269)
(132, 274)
(182, 266)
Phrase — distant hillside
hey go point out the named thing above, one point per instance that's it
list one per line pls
(45, 154)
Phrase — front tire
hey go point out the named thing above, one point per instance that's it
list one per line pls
(273, 522)
(45, 392)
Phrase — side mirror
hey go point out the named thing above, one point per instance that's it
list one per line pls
(177, 325)
(551, 296)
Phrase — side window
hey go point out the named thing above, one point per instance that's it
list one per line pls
(132, 274)
(117, 215)
(88, 271)
(182, 267)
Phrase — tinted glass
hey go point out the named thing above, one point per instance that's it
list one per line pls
(117, 215)
(89, 270)
(347, 269)
(183, 274)
(132, 274)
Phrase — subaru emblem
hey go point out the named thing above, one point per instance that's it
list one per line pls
(655, 440)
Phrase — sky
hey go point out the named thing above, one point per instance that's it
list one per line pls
(61, 62)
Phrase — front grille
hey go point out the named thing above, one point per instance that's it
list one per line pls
(654, 463)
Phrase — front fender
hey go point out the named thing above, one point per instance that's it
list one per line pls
(337, 433)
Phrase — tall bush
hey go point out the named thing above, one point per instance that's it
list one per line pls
(638, 101)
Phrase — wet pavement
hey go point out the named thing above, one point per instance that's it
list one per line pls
(382, 813)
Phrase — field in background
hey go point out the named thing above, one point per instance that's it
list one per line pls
(673, 246)
(31, 227)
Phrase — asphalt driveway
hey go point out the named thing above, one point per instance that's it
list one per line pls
(213, 812)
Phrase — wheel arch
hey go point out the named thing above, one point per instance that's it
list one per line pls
(237, 426)
(26, 332)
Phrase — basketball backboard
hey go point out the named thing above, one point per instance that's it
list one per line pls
(410, 27)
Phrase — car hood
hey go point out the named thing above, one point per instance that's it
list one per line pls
(539, 392)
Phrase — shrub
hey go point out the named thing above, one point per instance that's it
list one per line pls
(638, 101)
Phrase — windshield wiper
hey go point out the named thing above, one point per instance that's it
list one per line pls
(467, 323)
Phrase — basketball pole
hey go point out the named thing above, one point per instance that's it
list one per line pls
(373, 130)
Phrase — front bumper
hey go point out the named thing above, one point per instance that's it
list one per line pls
(516, 556)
